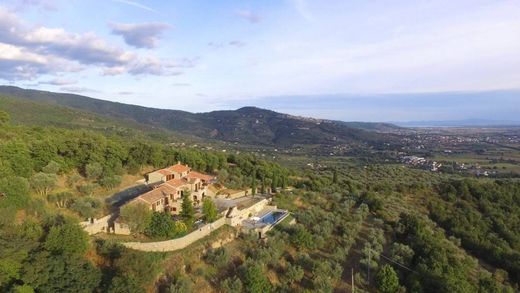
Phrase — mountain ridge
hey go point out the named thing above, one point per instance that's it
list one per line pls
(249, 124)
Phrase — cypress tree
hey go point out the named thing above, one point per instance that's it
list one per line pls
(253, 183)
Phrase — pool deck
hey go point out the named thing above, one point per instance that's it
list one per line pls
(255, 224)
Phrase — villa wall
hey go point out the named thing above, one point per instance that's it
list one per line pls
(154, 177)
(103, 225)
(244, 213)
(179, 243)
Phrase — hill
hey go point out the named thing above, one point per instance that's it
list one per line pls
(249, 124)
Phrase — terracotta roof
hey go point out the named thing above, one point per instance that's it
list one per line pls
(164, 171)
(203, 177)
(177, 183)
(156, 194)
(179, 168)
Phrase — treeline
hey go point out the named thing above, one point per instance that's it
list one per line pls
(485, 215)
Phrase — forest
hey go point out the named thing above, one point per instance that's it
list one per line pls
(383, 228)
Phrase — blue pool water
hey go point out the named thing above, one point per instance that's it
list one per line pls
(272, 217)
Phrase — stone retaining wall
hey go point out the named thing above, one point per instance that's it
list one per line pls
(105, 225)
(178, 243)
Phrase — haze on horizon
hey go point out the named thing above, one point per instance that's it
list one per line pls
(345, 60)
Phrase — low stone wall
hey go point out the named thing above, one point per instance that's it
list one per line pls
(96, 225)
(105, 225)
(178, 243)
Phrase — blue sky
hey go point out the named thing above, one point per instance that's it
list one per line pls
(348, 60)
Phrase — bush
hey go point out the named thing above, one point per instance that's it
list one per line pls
(67, 239)
(255, 281)
(52, 168)
(218, 257)
(93, 170)
(42, 183)
(162, 225)
(137, 216)
(87, 207)
(87, 189)
(110, 182)
(387, 280)
(232, 285)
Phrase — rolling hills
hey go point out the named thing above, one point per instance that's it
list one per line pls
(248, 125)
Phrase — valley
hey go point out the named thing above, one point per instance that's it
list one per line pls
(384, 199)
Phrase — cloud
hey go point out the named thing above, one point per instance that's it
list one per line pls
(59, 81)
(219, 45)
(18, 63)
(237, 43)
(136, 4)
(140, 35)
(123, 93)
(31, 51)
(155, 67)
(248, 15)
(181, 84)
(216, 45)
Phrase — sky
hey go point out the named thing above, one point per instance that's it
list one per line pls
(336, 59)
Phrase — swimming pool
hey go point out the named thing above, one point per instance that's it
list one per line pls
(273, 217)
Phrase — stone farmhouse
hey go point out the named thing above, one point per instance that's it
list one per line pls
(169, 186)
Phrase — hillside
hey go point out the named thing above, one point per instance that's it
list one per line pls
(254, 125)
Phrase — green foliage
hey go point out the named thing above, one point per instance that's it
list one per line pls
(16, 247)
(23, 289)
(87, 189)
(293, 274)
(325, 275)
(187, 210)
(5, 169)
(232, 285)
(253, 183)
(67, 239)
(19, 157)
(93, 170)
(72, 180)
(110, 182)
(387, 280)
(255, 280)
(133, 271)
(87, 207)
(4, 118)
(137, 216)
(218, 257)
(485, 216)
(439, 267)
(42, 183)
(162, 225)
(209, 209)
(54, 273)
(52, 168)
(300, 237)
(61, 199)
(16, 191)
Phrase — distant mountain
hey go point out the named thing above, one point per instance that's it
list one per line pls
(459, 123)
(248, 125)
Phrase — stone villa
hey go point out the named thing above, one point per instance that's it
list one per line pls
(170, 184)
